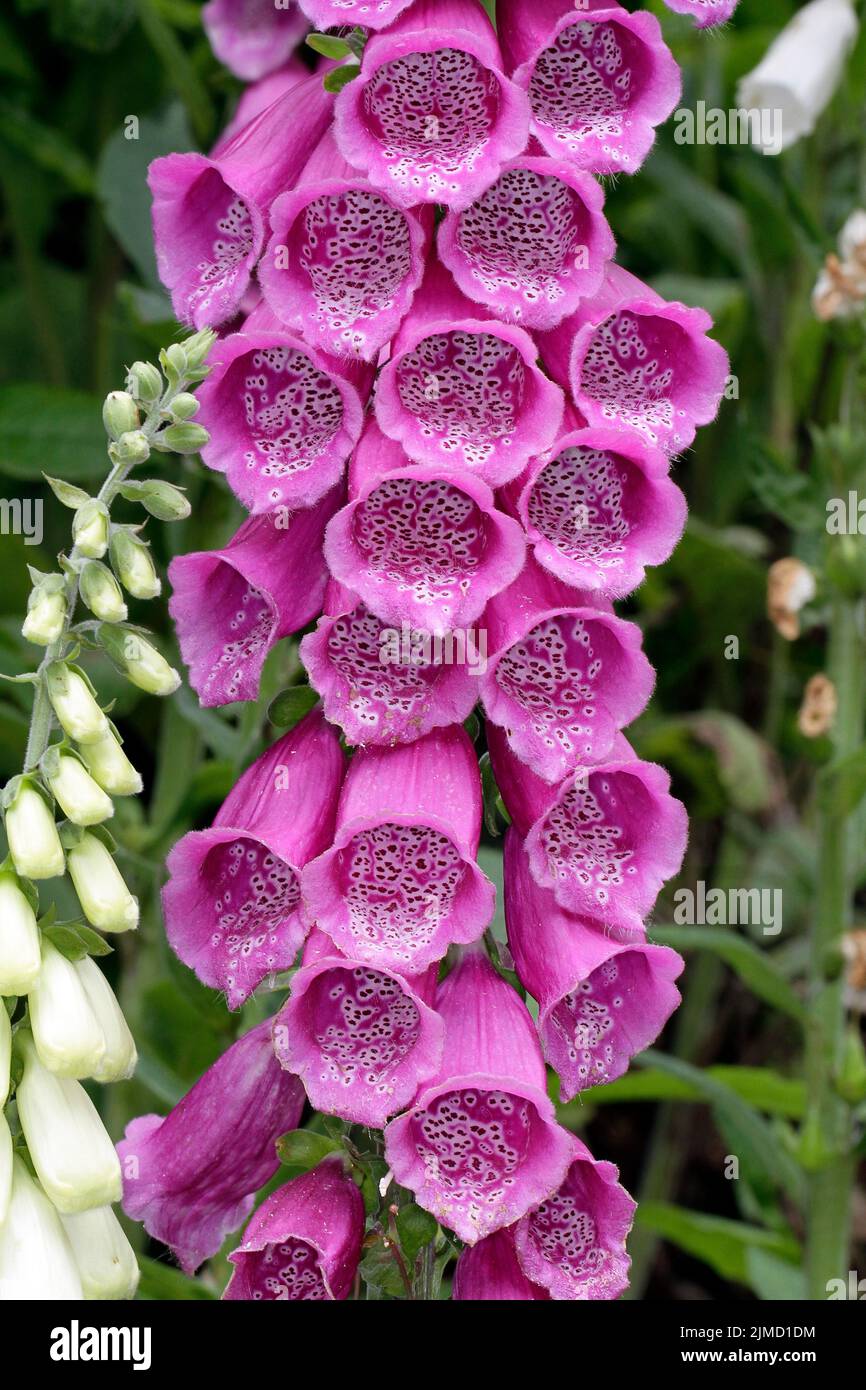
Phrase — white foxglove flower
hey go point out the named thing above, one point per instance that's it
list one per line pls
(74, 1158)
(90, 529)
(5, 1167)
(111, 768)
(79, 796)
(32, 834)
(74, 704)
(133, 566)
(120, 1056)
(800, 71)
(139, 661)
(20, 960)
(105, 899)
(66, 1031)
(36, 1261)
(840, 292)
(46, 612)
(106, 1261)
(101, 592)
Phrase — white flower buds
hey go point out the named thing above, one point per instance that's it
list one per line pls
(46, 611)
(74, 703)
(105, 899)
(34, 843)
(36, 1260)
(79, 796)
(139, 661)
(20, 960)
(130, 559)
(104, 1257)
(66, 1032)
(101, 592)
(110, 767)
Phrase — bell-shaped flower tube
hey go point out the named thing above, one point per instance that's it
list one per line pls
(563, 676)
(36, 1260)
(210, 214)
(362, 1040)
(231, 606)
(259, 95)
(344, 259)
(369, 14)
(232, 905)
(304, 1242)
(600, 1002)
(431, 118)
(604, 841)
(599, 79)
(490, 1272)
(252, 37)
(421, 544)
(636, 361)
(464, 390)
(480, 1146)
(400, 882)
(192, 1176)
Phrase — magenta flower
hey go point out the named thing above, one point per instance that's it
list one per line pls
(634, 360)
(252, 37)
(533, 244)
(600, 1003)
(599, 79)
(362, 1040)
(480, 1146)
(598, 508)
(384, 686)
(465, 391)
(283, 418)
(604, 841)
(400, 882)
(258, 96)
(420, 544)
(233, 909)
(573, 1244)
(563, 676)
(371, 14)
(431, 118)
(231, 606)
(209, 215)
(490, 1272)
(191, 1177)
(705, 12)
(344, 260)
(304, 1242)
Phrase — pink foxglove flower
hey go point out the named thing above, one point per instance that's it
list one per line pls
(598, 508)
(573, 1244)
(563, 675)
(233, 910)
(480, 1146)
(369, 14)
(600, 1003)
(283, 418)
(401, 882)
(464, 390)
(420, 544)
(257, 97)
(533, 244)
(252, 37)
(599, 79)
(604, 841)
(210, 215)
(362, 1040)
(304, 1242)
(344, 260)
(231, 606)
(431, 117)
(490, 1272)
(191, 1177)
(387, 685)
(634, 360)
(705, 13)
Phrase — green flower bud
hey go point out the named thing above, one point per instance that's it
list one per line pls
(173, 361)
(139, 661)
(46, 611)
(101, 592)
(104, 1257)
(66, 1031)
(74, 703)
(119, 413)
(110, 767)
(198, 346)
(90, 529)
(80, 798)
(187, 438)
(184, 406)
(851, 1077)
(144, 382)
(163, 500)
(32, 834)
(105, 899)
(20, 960)
(132, 447)
(130, 558)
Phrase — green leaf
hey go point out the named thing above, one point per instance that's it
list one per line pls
(754, 967)
(722, 1244)
(67, 493)
(178, 69)
(774, 1278)
(763, 1088)
(744, 759)
(47, 147)
(380, 1273)
(303, 1149)
(44, 427)
(122, 183)
(338, 78)
(92, 24)
(416, 1228)
(289, 707)
(75, 940)
(328, 45)
(162, 1282)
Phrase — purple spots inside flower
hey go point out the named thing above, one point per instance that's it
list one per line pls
(220, 226)
(378, 693)
(564, 1233)
(399, 883)
(576, 504)
(587, 837)
(584, 1038)
(525, 236)
(574, 1243)
(432, 115)
(364, 1026)
(241, 618)
(253, 895)
(288, 1272)
(585, 84)
(473, 1144)
(422, 537)
(630, 373)
(465, 392)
